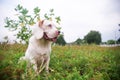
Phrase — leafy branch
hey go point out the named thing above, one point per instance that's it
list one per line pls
(25, 20)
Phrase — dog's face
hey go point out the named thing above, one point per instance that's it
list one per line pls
(48, 30)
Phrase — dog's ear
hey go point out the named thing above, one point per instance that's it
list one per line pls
(41, 23)
(38, 32)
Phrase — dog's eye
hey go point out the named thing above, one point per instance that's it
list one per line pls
(49, 25)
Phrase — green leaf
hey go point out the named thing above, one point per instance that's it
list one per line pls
(36, 10)
(46, 16)
(58, 28)
(58, 19)
(8, 21)
(31, 22)
(24, 11)
(20, 17)
(52, 14)
(18, 8)
(51, 10)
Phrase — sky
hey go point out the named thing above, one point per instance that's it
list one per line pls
(78, 17)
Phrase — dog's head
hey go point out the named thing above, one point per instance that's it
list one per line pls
(46, 29)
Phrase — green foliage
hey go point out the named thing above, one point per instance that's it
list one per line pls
(61, 40)
(93, 37)
(118, 41)
(68, 62)
(24, 21)
(79, 41)
(111, 42)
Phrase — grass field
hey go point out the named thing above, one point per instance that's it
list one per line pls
(68, 62)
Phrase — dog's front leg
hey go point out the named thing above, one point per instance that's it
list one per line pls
(47, 64)
(34, 65)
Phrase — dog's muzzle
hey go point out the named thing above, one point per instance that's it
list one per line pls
(50, 39)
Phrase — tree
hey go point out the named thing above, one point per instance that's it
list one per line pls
(6, 39)
(78, 41)
(93, 37)
(119, 36)
(118, 41)
(61, 40)
(119, 26)
(111, 42)
(24, 21)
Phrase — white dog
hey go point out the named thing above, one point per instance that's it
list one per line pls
(39, 48)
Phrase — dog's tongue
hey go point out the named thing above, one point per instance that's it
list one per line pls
(51, 39)
(54, 39)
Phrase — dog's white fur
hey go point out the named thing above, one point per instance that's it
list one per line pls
(39, 49)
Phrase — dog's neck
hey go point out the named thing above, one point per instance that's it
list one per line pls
(44, 42)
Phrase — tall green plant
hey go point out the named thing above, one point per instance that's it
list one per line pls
(24, 21)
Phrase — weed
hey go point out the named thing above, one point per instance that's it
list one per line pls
(68, 62)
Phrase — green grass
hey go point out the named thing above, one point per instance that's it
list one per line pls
(68, 62)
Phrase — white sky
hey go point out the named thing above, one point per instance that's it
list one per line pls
(78, 17)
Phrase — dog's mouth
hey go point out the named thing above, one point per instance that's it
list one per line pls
(50, 39)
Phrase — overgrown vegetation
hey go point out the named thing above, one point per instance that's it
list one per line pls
(68, 62)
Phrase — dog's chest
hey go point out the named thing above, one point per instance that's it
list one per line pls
(43, 50)
(39, 47)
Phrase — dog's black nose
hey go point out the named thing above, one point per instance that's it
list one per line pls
(59, 32)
